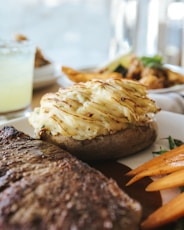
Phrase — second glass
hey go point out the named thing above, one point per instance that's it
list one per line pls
(148, 27)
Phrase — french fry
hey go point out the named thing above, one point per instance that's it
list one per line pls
(158, 160)
(173, 180)
(79, 76)
(164, 214)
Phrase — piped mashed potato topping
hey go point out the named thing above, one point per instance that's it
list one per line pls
(87, 110)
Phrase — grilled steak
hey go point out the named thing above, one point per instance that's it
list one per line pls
(44, 187)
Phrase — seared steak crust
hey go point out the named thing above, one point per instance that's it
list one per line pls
(44, 187)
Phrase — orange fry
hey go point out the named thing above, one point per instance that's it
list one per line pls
(157, 160)
(160, 169)
(80, 76)
(164, 214)
(173, 180)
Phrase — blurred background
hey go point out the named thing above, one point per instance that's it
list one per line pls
(71, 32)
(87, 33)
(150, 27)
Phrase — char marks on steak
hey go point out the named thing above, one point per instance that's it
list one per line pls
(44, 187)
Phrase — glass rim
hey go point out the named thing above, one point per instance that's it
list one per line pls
(7, 46)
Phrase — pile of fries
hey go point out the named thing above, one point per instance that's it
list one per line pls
(170, 166)
(84, 76)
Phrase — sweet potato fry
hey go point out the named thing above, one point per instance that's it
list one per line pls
(173, 180)
(80, 76)
(164, 214)
(158, 160)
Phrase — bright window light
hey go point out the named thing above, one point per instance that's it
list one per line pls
(176, 10)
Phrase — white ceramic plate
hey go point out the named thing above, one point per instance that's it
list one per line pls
(46, 75)
(176, 88)
(44, 70)
(169, 124)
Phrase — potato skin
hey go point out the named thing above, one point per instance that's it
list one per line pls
(113, 146)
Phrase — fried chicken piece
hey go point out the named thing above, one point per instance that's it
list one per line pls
(154, 78)
(135, 69)
(174, 77)
(40, 60)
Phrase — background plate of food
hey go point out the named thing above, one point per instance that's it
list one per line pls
(45, 72)
(149, 71)
(46, 75)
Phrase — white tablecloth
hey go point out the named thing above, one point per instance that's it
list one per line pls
(172, 102)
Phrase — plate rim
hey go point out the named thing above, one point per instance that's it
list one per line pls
(45, 81)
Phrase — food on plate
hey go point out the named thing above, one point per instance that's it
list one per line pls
(98, 119)
(168, 162)
(44, 187)
(40, 60)
(172, 180)
(149, 71)
(167, 213)
(83, 76)
(169, 171)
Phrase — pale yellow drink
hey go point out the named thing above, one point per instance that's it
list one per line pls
(16, 76)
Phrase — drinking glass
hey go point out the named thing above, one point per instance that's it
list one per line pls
(16, 78)
(148, 27)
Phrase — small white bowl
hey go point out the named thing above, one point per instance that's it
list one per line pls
(49, 69)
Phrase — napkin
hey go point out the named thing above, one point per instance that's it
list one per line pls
(172, 102)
